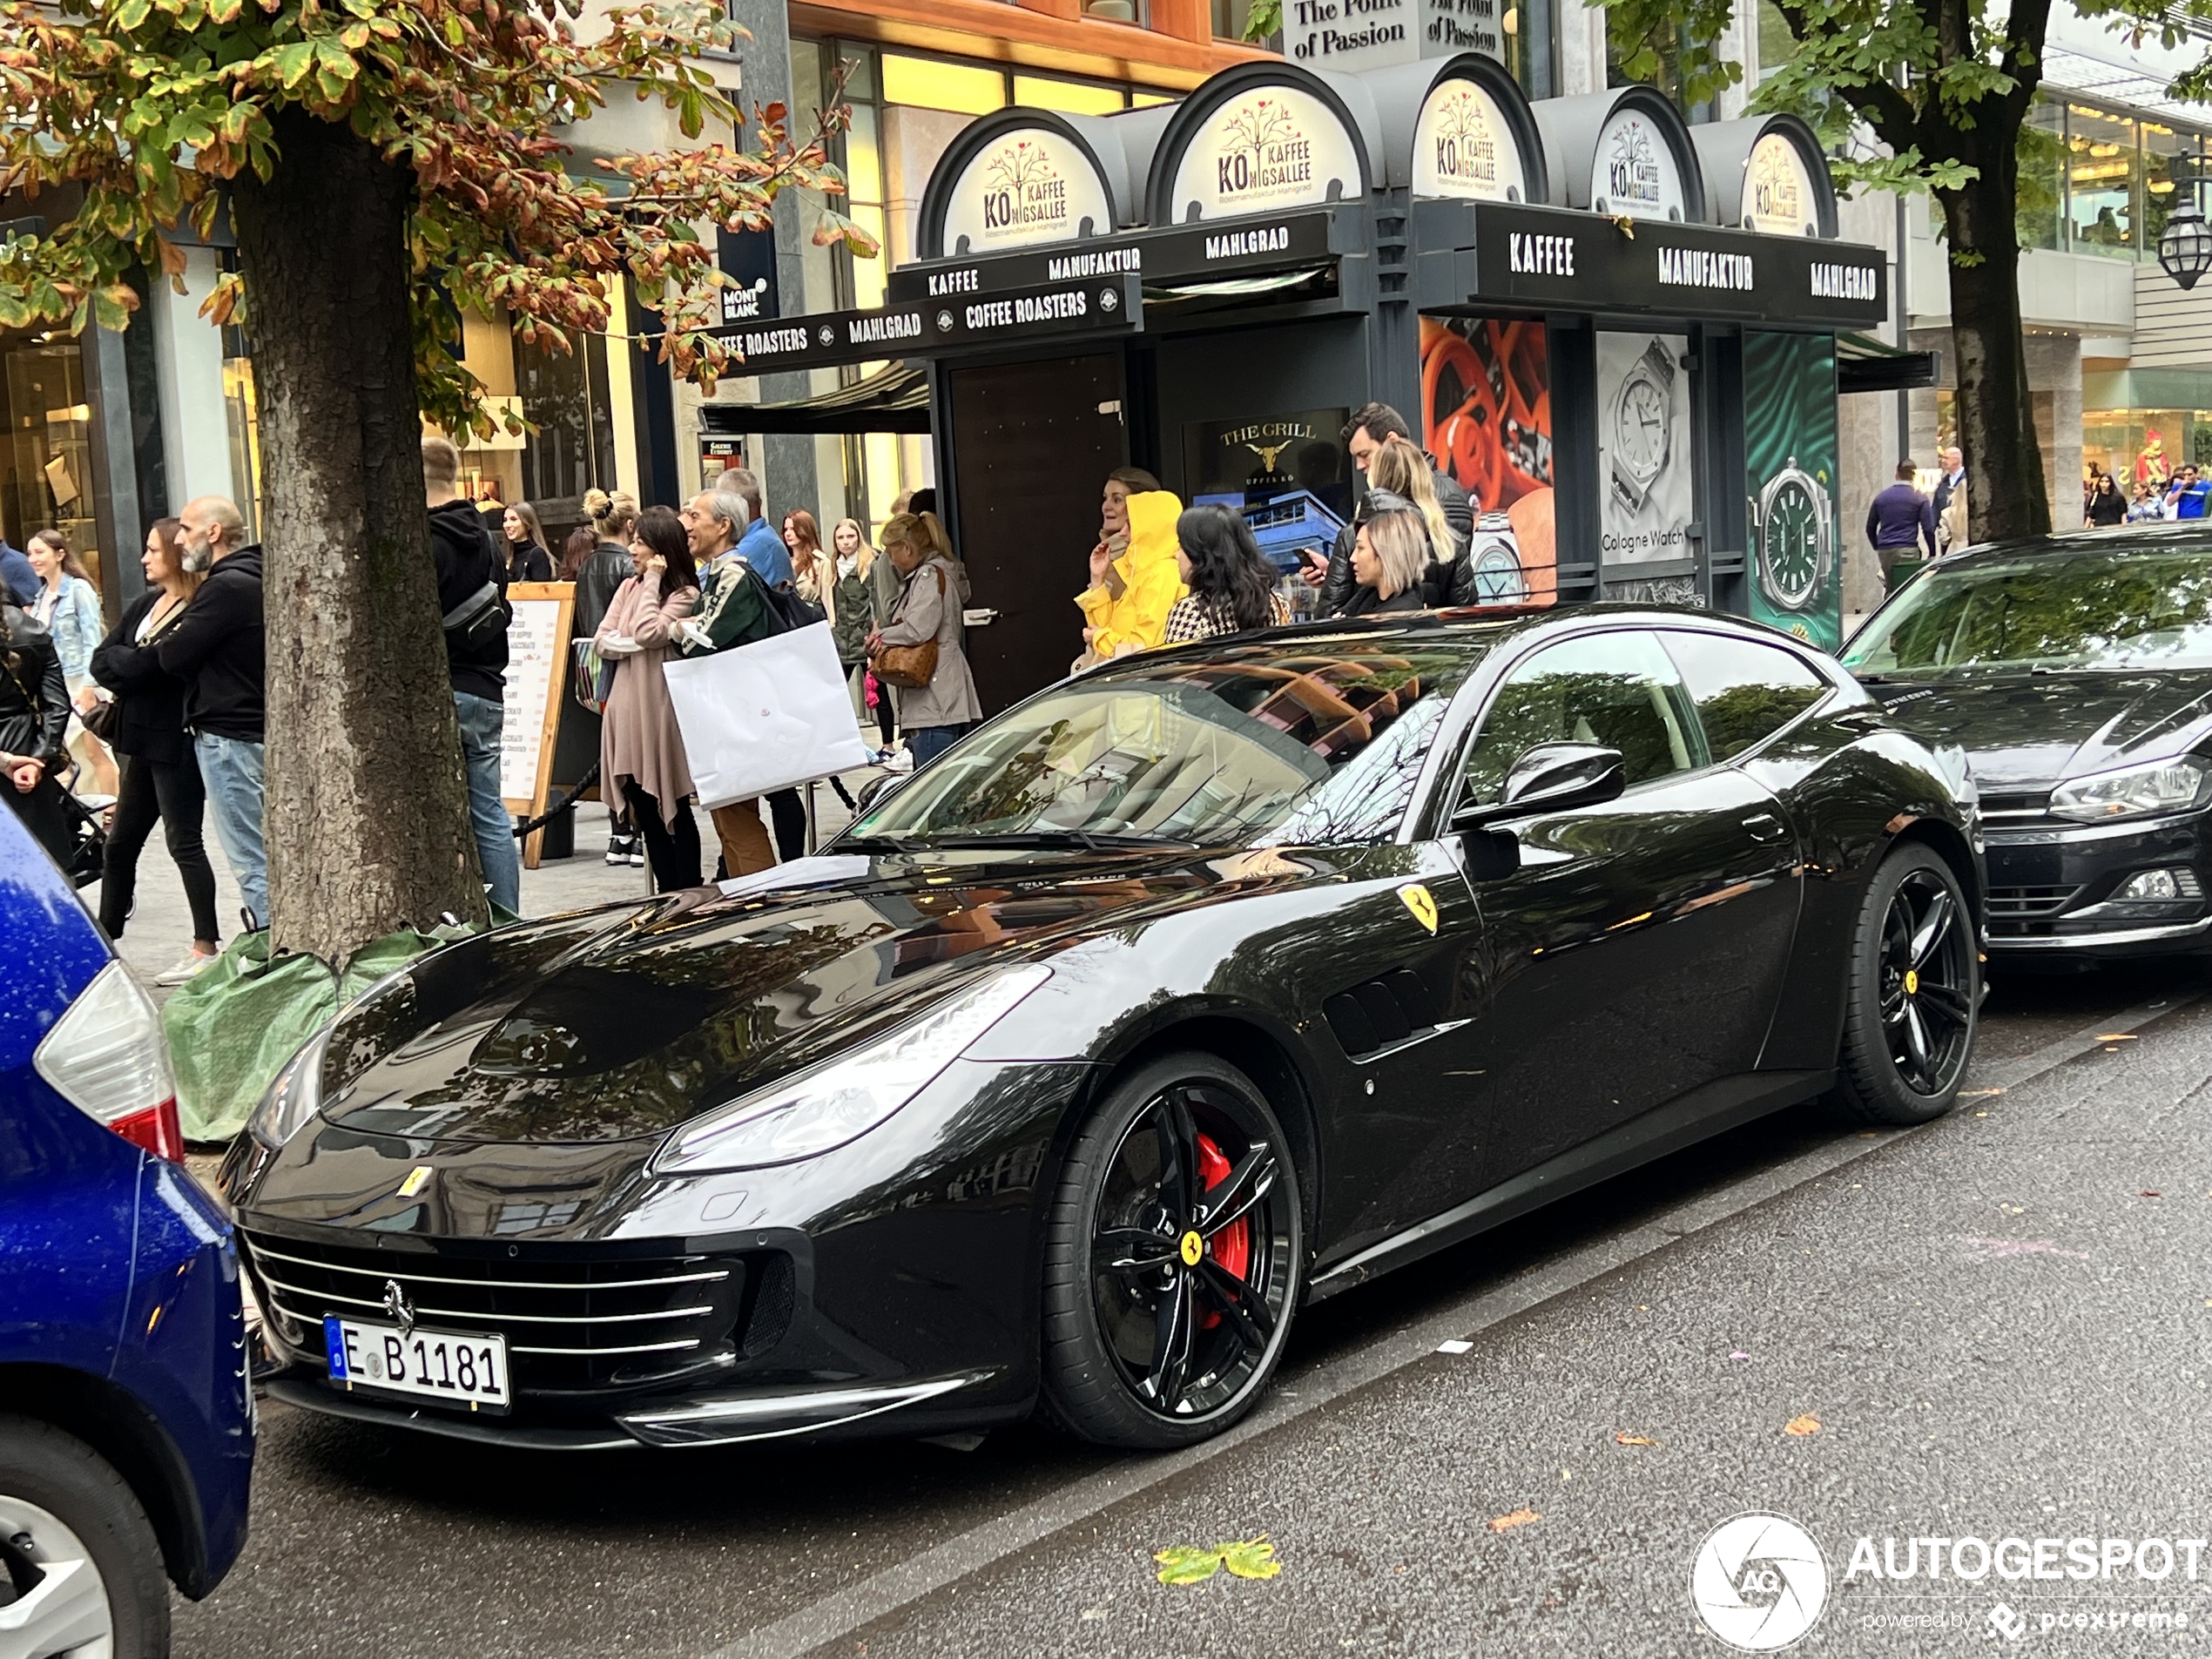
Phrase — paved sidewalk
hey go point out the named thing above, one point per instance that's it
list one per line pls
(159, 930)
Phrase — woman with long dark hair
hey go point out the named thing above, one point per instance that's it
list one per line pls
(69, 606)
(34, 714)
(1232, 585)
(641, 751)
(161, 781)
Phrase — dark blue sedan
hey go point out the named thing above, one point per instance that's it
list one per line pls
(126, 1412)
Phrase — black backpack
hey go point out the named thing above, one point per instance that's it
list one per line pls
(786, 612)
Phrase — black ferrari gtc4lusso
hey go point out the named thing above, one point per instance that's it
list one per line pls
(1205, 985)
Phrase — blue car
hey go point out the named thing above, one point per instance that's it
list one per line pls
(126, 1406)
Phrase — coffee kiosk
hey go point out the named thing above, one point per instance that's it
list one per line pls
(1618, 331)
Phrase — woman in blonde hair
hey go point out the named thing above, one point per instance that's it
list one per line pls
(69, 606)
(852, 615)
(931, 597)
(1389, 548)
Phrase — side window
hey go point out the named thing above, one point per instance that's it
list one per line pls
(1619, 689)
(1744, 692)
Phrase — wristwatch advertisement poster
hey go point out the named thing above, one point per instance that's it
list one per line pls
(1645, 448)
(1793, 558)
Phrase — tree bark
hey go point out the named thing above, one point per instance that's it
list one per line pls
(366, 810)
(2007, 493)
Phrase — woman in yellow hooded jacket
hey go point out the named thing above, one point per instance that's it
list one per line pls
(1127, 609)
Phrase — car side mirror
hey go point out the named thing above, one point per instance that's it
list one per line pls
(870, 792)
(1550, 778)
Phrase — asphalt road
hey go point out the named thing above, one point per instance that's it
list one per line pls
(1997, 1324)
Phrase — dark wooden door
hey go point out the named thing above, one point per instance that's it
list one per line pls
(1032, 445)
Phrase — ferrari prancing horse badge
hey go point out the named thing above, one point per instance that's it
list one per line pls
(1421, 903)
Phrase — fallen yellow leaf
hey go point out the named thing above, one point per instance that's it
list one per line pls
(1518, 1518)
(1977, 1094)
(2118, 1036)
(1807, 1424)
(1626, 1439)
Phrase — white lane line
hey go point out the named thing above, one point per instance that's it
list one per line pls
(846, 1610)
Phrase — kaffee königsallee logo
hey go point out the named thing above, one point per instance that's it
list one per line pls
(1024, 193)
(1265, 152)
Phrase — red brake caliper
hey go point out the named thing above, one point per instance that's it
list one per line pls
(1232, 1246)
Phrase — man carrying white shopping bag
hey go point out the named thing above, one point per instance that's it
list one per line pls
(744, 692)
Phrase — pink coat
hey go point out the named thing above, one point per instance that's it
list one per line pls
(637, 734)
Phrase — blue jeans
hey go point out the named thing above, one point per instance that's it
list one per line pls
(231, 767)
(931, 741)
(480, 720)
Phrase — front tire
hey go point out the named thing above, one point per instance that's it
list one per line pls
(1915, 993)
(79, 1566)
(1174, 1258)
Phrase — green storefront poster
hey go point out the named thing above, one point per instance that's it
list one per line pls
(1789, 462)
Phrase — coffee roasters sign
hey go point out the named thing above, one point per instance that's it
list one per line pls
(1029, 185)
(933, 327)
(1462, 146)
(1779, 197)
(1634, 173)
(1273, 147)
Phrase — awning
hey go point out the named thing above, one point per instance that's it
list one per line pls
(1865, 364)
(893, 399)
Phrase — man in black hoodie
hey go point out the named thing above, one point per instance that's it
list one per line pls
(476, 656)
(219, 649)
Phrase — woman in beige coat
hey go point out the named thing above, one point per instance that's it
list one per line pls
(641, 751)
(932, 594)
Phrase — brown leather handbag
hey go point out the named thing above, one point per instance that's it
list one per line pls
(911, 666)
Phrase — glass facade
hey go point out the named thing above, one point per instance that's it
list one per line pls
(2144, 445)
(46, 469)
(2096, 179)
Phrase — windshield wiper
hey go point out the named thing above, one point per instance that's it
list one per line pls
(894, 843)
(1090, 840)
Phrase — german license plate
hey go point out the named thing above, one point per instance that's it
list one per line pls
(436, 1365)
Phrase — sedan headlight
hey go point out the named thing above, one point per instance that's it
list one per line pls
(294, 1097)
(841, 1100)
(2163, 786)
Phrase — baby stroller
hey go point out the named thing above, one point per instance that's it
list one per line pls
(86, 855)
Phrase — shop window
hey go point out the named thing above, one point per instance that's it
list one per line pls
(1117, 11)
(929, 84)
(1530, 46)
(2170, 161)
(48, 478)
(565, 397)
(1230, 18)
(1146, 100)
(1777, 44)
(2104, 173)
(2039, 203)
(1075, 98)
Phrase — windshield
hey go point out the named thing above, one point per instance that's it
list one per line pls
(2087, 609)
(1257, 745)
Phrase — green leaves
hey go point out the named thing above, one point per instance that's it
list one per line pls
(1187, 1564)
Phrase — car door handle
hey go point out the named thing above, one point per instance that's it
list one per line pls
(979, 618)
(1765, 826)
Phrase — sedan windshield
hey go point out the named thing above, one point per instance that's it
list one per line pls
(1246, 746)
(2103, 609)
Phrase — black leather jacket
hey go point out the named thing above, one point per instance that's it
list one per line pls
(1442, 584)
(34, 698)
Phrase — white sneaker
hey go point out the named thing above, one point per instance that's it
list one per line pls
(188, 967)
(903, 761)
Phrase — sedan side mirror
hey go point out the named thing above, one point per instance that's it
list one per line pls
(871, 792)
(1550, 778)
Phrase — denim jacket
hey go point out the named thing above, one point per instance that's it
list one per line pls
(76, 626)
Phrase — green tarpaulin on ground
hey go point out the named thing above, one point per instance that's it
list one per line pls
(231, 1027)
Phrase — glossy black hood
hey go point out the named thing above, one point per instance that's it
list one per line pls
(620, 1023)
(2024, 732)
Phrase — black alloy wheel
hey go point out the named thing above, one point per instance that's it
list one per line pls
(1915, 993)
(1174, 1256)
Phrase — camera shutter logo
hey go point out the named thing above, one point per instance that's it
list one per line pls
(1759, 1583)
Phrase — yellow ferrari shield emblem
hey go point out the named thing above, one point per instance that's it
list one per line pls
(1421, 903)
(1192, 1248)
(417, 1179)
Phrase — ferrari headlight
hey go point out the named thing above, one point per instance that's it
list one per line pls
(2163, 786)
(827, 1105)
(294, 1097)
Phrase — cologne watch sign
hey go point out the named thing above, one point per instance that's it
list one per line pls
(1271, 148)
(1029, 184)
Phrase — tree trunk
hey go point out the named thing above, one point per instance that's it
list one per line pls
(2007, 492)
(367, 808)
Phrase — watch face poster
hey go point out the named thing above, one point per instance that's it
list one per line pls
(1645, 458)
(1790, 452)
(1486, 418)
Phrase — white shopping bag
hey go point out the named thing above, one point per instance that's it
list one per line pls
(765, 716)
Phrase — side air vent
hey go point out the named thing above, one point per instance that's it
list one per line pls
(1373, 1015)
